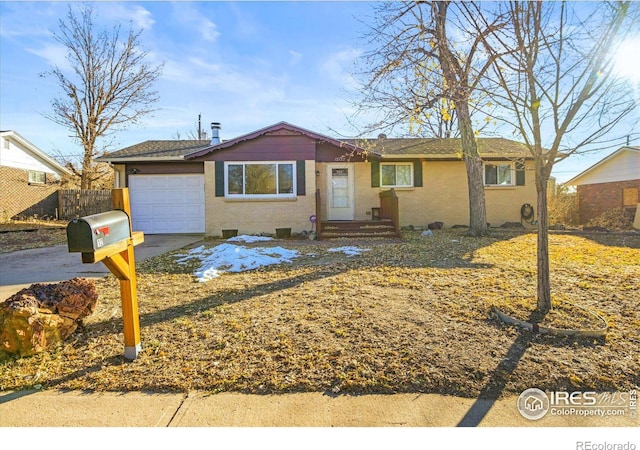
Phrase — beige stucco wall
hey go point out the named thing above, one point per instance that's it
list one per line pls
(443, 196)
(258, 216)
(504, 203)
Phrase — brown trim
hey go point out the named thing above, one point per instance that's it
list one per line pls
(280, 129)
(267, 148)
(168, 168)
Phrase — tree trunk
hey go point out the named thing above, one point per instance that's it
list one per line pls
(86, 176)
(473, 163)
(459, 87)
(544, 282)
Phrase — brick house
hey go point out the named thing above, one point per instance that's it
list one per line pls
(282, 175)
(29, 179)
(611, 183)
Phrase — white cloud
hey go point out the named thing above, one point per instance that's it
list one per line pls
(336, 67)
(143, 18)
(252, 88)
(140, 17)
(55, 55)
(246, 25)
(195, 20)
(295, 57)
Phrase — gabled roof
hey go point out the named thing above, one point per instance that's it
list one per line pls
(157, 150)
(436, 148)
(431, 148)
(280, 126)
(585, 173)
(35, 152)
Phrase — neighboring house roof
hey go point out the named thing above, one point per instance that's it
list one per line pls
(431, 148)
(621, 165)
(34, 152)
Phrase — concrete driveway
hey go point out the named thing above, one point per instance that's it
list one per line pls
(53, 264)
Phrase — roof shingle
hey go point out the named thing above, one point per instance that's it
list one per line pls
(431, 148)
(442, 148)
(158, 149)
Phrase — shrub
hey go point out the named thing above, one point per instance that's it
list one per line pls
(614, 219)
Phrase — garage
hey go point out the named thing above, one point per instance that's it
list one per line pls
(164, 204)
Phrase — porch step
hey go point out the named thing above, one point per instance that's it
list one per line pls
(358, 229)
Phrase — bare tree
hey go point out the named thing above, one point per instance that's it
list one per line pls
(553, 76)
(419, 75)
(197, 133)
(109, 86)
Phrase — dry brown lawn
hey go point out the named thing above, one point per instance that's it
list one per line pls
(20, 235)
(409, 316)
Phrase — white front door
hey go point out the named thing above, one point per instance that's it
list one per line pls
(340, 191)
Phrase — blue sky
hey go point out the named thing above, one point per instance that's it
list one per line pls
(244, 64)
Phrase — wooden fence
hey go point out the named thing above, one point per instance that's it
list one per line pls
(74, 203)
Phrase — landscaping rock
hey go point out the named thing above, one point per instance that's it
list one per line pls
(435, 226)
(512, 225)
(43, 315)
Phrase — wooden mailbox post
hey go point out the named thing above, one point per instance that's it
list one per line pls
(119, 259)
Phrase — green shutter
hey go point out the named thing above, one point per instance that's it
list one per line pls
(417, 173)
(520, 173)
(301, 178)
(219, 178)
(375, 173)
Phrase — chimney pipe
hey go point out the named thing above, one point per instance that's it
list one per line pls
(215, 133)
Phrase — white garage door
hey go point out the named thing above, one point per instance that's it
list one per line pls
(162, 204)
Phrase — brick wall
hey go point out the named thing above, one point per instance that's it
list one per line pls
(18, 198)
(595, 199)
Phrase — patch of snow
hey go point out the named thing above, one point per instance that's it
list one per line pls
(223, 258)
(349, 250)
(249, 239)
(184, 258)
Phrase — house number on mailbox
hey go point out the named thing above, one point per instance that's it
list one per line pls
(100, 242)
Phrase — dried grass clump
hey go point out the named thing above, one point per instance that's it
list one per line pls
(615, 219)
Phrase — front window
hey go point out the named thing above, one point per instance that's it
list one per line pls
(396, 174)
(258, 179)
(498, 174)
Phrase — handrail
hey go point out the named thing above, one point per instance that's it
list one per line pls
(389, 208)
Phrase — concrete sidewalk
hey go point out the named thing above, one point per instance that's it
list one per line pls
(53, 264)
(53, 408)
